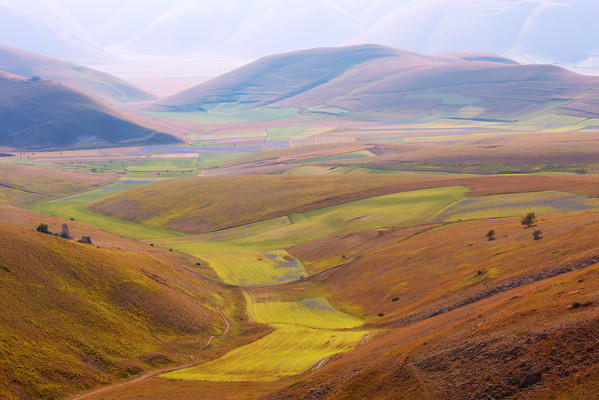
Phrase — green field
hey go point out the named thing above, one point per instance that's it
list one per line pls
(227, 114)
(305, 333)
(286, 352)
(307, 313)
(398, 209)
(516, 204)
(243, 266)
(73, 207)
(244, 256)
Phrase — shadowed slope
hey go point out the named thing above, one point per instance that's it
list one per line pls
(99, 84)
(45, 114)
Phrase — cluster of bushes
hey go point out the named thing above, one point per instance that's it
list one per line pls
(64, 233)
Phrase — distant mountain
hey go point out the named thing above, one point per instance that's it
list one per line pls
(42, 114)
(99, 84)
(43, 28)
(560, 32)
(382, 79)
(535, 31)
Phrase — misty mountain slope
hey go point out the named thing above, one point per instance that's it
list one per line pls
(42, 28)
(249, 28)
(104, 86)
(45, 115)
(383, 79)
(561, 32)
(274, 78)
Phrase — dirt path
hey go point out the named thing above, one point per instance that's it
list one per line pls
(149, 374)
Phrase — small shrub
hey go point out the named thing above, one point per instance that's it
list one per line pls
(537, 235)
(381, 314)
(152, 244)
(395, 299)
(491, 235)
(529, 219)
(170, 249)
(43, 228)
(575, 305)
(199, 264)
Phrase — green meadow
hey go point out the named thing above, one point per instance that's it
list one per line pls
(306, 331)
(73, 207)
(285, 352)
(308, 313)
(243, 265)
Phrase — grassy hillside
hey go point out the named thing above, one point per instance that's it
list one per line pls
(43, 114)
(464, 317)
(370, 78)
(98, 84)
(195, 205)
(75, 315)
(21, 185)
(73, 207)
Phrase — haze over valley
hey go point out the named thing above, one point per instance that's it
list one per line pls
(325, 199)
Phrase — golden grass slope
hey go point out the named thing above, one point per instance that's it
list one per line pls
(74, 315)
(21, 185)
(205, 204)
(306, 331)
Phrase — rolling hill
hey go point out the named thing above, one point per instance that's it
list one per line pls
(76, 315)
(98, 84)
(197, 205)
(511, 319)
(41, 114)
(371, 78)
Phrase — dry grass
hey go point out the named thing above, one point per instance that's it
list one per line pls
(22, 185)
(204, 204)
(75, 315)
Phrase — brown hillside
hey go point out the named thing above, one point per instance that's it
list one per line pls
(462, 317)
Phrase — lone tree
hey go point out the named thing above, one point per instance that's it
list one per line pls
(43, 228)
(529, 219)
(537, 235)
(491, 235)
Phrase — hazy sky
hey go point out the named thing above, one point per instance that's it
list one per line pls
(213, 35)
